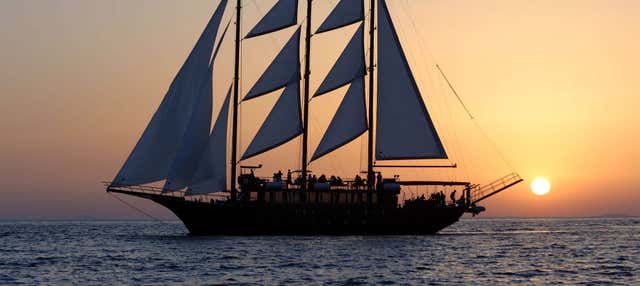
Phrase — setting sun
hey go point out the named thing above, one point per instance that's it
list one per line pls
(540, 186)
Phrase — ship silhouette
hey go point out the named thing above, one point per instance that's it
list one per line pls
(213, 193)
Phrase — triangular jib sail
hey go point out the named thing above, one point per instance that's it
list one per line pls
(404, 129)
(156, 149)
(211, 175)
(194, 140)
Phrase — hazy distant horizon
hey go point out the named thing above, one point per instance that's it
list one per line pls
(172, 219)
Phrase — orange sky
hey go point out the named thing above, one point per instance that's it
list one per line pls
(553, 83)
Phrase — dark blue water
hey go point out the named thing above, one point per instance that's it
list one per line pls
(474, 251)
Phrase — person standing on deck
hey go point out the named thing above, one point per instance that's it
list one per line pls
(453, 197)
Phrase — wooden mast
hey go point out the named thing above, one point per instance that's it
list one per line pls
(307, 73)
(236, 91)
(372, 28)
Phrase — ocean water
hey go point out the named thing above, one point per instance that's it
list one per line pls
(472, 252)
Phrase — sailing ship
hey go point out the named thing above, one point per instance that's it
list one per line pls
(181, 149)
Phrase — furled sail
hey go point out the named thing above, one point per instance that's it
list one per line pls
(283, 123)
(349, 122)
(404, 129)
(350, 65)
(211, 175)
(345, 13)
(281, 70)
(153, 155)
(282, 15)
(194, 140)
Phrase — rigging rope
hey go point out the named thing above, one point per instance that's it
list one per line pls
(476, 123)
(450, 85)
(455, 92)
(136, 209)
(494, 145)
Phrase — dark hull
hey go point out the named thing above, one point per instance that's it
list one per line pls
(259, 218)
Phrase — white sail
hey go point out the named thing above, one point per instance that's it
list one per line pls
(404, 129)
(280, 71)
(282, 15)
(152, 156)
(350, 65)
(349, 122)
(282, 124)
(345, 13)
(194, 140)
(211, 175)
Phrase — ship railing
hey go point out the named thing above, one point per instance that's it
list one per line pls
(479, 193)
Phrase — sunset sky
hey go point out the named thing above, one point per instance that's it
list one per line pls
(554, 85)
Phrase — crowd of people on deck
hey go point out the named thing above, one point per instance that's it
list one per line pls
(440, 198)
(357, 183)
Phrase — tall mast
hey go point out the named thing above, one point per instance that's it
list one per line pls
(236, 91)
(372, 28)
(307, 73)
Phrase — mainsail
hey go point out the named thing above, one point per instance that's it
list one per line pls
(282, 15)
(404, 129)
(156, 149)
(211, 174)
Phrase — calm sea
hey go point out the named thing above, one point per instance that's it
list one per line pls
(472, 252)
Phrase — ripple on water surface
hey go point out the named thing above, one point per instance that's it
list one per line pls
(474, 251)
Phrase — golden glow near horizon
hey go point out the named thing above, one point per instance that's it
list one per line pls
(540, 186)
